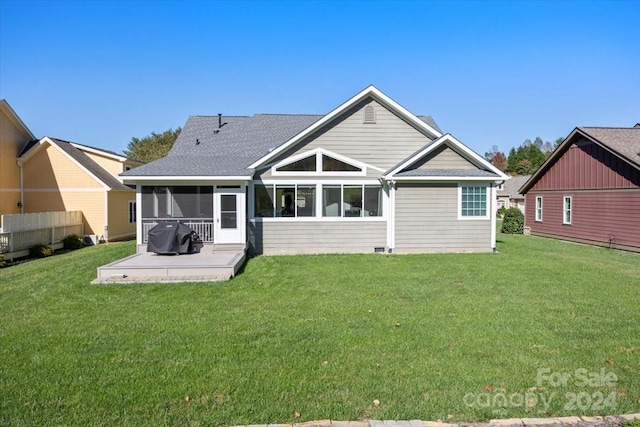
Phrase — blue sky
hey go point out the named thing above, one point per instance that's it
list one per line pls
(490, 73)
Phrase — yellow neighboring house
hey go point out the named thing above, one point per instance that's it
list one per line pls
(57, 175)
(14, 135)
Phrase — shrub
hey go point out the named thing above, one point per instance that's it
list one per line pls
(502, 211)
(3, 263)
(72, 242)
(513, 222)
(40, 251)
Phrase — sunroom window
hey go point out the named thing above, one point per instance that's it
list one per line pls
(329, 164)
(347, 201)
(319, 162)
(308, 164)
(289, 201)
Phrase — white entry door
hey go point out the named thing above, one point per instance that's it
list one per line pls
(229, 214)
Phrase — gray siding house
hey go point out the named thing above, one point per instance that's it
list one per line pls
(368, 176)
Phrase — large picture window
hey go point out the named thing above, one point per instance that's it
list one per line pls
(473, 201)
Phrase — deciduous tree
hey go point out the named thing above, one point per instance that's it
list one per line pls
(152, 147)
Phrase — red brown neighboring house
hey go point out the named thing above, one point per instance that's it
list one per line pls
(588, 190)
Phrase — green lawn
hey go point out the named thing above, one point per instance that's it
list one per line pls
(451, 336)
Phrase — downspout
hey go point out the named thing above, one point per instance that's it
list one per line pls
(493, 212)
(21, 202)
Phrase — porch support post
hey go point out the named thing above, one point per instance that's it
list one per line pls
(138, 214)
(391, 216)
(492, 211)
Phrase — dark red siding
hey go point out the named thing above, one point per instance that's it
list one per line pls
(596, 216)
(585, 165)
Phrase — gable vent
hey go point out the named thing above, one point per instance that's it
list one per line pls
(369, 114)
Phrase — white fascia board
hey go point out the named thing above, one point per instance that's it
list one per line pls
(368, 91)
(46, 140)
(33, 150)
(98, 152)
(193, 180)
(457, 144)
(444, 179)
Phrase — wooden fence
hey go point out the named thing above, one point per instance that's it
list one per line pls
(21, 232)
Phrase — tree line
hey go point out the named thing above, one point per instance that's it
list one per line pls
(525, 159)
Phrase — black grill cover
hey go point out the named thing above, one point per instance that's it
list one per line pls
(171, 238)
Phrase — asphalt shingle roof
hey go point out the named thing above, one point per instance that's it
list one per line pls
(204, 149)
(512, 186)
(625, 141)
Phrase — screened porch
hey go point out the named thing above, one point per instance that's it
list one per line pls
(191, 205)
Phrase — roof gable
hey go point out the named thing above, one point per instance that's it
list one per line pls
(623, 143)
(458, 161)
(84, 162)
(369, 92)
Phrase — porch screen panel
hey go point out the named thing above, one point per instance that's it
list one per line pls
(185, 202)
(162, 210)
(148, 202)
(205, 202)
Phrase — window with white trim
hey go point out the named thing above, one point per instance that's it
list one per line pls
(566, 210)
(316, 162)
(351, 201)
(132, 211)
(473, 201)
(290, 200)
(538, 208)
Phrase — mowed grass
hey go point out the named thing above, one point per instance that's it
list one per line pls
(451, 336)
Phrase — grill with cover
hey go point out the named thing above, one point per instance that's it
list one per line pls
(173, 237)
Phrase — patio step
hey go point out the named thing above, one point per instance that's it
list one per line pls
(147, 267)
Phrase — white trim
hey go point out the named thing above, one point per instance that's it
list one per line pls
(368, 91)
(494, 210)
(203, 178)
(64, 190)
(319, 152)
(365, 181)
(320, 219)
(139, 235)
(442, 178)
(538, 218)
(129, 211)
(564, 210)
(319, 200)
(469, 154)
(391, 227)
(488, 201)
